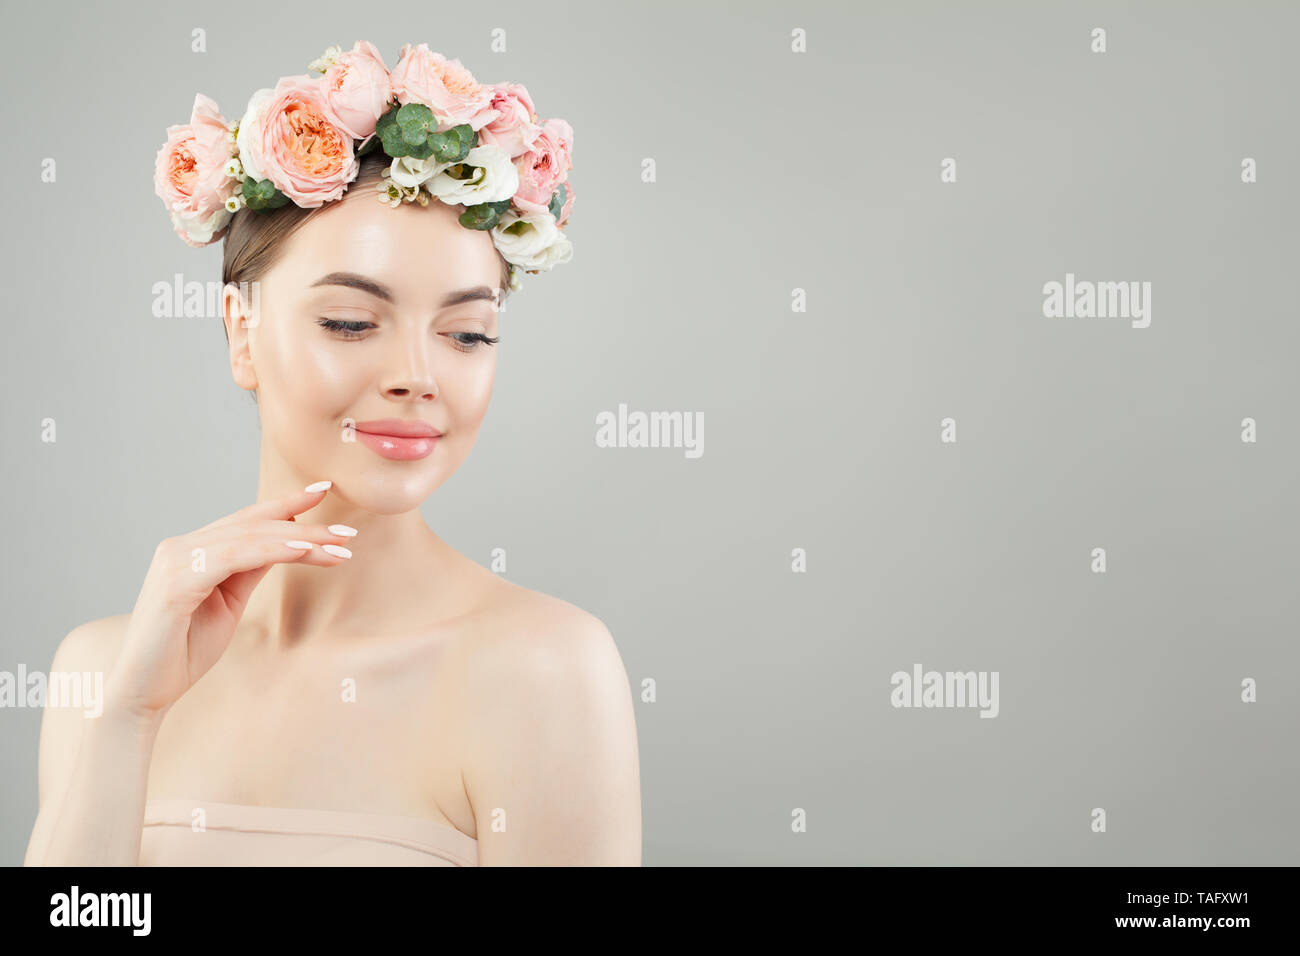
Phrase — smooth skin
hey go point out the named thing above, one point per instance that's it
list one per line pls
(406, 679)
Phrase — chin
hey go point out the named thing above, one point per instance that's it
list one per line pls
(390, 490)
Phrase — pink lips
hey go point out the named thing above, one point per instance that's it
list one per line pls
(400, 439)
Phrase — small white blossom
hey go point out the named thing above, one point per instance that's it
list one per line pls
(234, 169)
(235, 203)
(389, 193)
(325, 60)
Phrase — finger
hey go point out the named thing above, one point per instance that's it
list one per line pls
(315, 533)
(239, 586)
(202, 562)
(284, 507)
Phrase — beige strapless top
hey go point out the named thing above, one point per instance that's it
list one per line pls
(243, 835)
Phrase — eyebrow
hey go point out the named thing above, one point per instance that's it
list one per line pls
(354, 280)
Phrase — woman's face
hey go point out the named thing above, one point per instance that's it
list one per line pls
(407, 292)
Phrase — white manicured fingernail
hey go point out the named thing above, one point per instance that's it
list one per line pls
(305, 545)
(337, 550)
(343, 530)
(319, 486)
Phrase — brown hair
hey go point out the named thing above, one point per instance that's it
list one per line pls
(256, 240)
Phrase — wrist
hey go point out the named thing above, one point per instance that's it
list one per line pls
(121, 719)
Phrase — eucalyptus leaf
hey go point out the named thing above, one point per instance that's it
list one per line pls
(480, 216)
(261, 195)
(394, 145)
(414, 113)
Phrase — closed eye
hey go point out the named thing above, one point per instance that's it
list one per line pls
(463, 341)
(349, 330)
(469, 341)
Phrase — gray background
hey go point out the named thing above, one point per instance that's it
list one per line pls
(775, 171)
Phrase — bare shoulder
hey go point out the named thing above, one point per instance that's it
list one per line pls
(521, 635)
(550, 766)
(92, 646)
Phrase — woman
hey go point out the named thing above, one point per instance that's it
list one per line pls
(318, 678)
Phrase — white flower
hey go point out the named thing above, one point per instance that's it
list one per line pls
(394, 194)
(235, 203)
(516, 282)
(198, 229)
(412, 173)
(250, 123)
(493, 177)
(234, 169)
(531, 240)
(325, 60)
(390, 194)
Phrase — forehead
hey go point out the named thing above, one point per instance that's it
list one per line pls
(419, 251)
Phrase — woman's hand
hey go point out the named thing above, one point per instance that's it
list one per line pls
(196, 589)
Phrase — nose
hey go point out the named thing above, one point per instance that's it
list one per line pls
(411, 372)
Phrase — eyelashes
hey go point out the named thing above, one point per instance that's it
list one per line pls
(462, 341)
(349, 330)
(468, 341)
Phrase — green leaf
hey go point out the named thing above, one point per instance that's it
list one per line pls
(415, 113)
(557, 202)
(482, 215)
(261, 195)
(468, 139)
(423, 151)
(453, 145)
(391, 138)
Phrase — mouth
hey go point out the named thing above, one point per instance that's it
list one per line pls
(398, 439)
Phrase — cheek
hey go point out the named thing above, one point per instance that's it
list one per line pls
(467, 390)
(309, 372)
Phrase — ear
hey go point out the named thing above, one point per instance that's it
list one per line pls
(241, 305)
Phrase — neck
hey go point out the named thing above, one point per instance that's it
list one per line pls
(392, 555)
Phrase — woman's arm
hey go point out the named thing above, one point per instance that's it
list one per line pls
(93, 771)
(552, 769)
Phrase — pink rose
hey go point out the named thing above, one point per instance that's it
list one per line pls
(189, 174)
(443, 85)
(357, 90)
(513, 128)
(544, 166)
(288, 137)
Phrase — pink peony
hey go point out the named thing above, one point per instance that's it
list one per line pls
(357, 90)
(544, 166)
(189, 174)
(443, 85)
(287, 136)
(512, 128)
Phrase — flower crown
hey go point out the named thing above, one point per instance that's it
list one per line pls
(448, 136)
